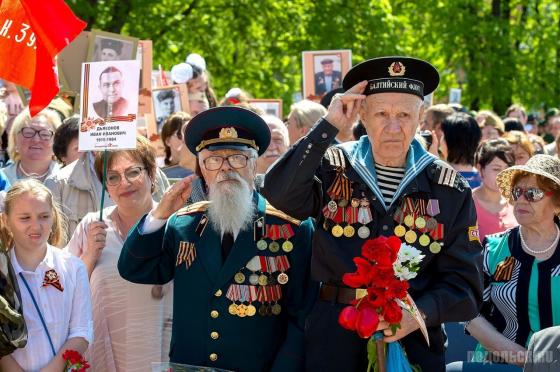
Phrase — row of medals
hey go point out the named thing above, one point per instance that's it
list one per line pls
(265, 309)
(410, 236)
(348, 231)
(274, 246)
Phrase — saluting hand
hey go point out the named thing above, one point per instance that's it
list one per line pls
(344, 107)
(174, 198)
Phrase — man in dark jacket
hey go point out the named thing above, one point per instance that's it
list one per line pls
(384, 184)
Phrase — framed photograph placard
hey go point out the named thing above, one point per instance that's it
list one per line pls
(107, 46)
(268, 106)
(323, 71)
(167, 100)
(109, 105)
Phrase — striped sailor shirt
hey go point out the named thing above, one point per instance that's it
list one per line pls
(388, 180)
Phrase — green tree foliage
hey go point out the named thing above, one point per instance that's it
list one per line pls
(497, 51)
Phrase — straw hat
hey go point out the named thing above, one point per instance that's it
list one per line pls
(542, 165)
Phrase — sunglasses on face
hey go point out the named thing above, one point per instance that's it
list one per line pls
(531, 194)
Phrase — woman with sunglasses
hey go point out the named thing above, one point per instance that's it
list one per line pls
(128, 318)
(522, 265)
(30, 146)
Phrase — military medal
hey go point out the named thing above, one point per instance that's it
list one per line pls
(363, 232)
(409, 220)
(332, 206)
(283, 265)
(431, 223)
(410, 236)
(52, 278)
(364, 217)
(342, 203)
(420, 222)
(435, 247)
(400, 231)
(424, 240)
(253, 265)
(282, 278)
(274, 247)
(337, 231)
(263, 280)
(239, 278)
(287, 233)
(242, 310)
(355, 203)
(251, 310)
(262, 310)
(276, 309)
(233, 294)
(254, 279)
(262, 245)
(232, 309)
(348, 231)
(186, 254)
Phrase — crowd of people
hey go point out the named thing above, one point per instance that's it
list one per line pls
(224, 250)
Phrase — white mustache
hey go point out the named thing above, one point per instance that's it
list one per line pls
(226, 176)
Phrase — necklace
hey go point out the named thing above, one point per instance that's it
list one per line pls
(118, 224)
(552, 246)
(32, 175)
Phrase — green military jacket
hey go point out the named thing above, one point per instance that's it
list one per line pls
(246, 314)
(13, 333)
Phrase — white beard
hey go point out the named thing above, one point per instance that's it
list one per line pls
(231, 208)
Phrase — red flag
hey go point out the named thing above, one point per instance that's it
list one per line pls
(32, 33)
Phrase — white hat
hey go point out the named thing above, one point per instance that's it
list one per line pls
(233, 93)
(196, 60)
(181, 73)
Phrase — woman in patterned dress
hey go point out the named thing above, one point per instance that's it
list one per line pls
(522, 265)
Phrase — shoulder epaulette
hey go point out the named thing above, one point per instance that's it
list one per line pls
(443, 174)
(335, 157)
(278, 213)
(201, 206)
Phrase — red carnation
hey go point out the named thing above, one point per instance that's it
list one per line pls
(392, 312)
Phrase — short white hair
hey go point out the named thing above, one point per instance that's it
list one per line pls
(275, 121)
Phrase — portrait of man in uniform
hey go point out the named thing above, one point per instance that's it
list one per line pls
(106, 47)
(168, 100)
(110, 86)
(328, 78)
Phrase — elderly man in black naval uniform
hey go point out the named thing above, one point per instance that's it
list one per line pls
(383, 184)
(110, 86)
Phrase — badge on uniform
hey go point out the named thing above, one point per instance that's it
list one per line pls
(51, 278)
(186, 254)
(474, 234)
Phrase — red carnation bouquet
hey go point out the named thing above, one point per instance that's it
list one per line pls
(75, 362)
(382, 275)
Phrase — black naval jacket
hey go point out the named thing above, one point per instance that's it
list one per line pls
(449, 285)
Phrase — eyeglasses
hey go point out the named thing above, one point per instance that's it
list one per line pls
(532, 195)
(131, 175)
(236, 161)
(44, 134)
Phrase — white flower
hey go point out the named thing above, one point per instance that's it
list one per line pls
(409, 253)
(402, 272)
(417, 259)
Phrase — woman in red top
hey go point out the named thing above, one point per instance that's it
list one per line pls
(494, 212)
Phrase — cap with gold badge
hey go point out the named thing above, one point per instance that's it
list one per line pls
(227, 127)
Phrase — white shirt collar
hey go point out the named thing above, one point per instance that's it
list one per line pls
(47, 262)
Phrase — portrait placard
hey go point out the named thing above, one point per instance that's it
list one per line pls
(167, 100)
(268, 106)
(107, 46)
(107, 118)
(455, 95)
(323, 71)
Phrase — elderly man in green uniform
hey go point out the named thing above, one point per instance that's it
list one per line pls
(383, 184)
(240, 267)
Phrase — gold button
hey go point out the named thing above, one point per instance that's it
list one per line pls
(218, 293)
(214, 314)
(214, 335)
(213, 357)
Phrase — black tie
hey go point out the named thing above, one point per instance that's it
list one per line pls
(227, 244)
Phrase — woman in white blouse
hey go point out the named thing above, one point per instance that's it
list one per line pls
(128, 318)
(53, 284)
